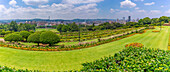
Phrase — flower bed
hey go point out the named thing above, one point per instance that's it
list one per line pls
(139, 45)
(155, 31)
(169, 43)
(132, 60)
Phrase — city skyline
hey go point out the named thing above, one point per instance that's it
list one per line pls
(82, 9)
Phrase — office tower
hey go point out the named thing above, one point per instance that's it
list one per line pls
(129, 18)
(123, 18)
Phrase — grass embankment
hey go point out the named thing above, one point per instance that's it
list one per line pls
(69, 60)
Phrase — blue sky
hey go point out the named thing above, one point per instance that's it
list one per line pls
(84, 9)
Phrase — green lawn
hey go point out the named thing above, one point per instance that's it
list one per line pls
(46, 29)
(69, 60)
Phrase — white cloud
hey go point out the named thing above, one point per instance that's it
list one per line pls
(64, 11)
(167, 12)
(81, 1)
(13, 3)
(2, 8)
(43, 6)
(162, 6)
(152, 3)
(127, 3)
(35, 2)
(89, 8)
(141, 11)
(136, 8)
(138, 0)
(112, 10)
(155, 11)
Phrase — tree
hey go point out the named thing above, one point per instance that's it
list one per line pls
(154, 20)
(35, 38)
(146, 20)
(25, 34)
(49, 37)
(65, 28)
(13, 26)
(13, 37)
(59, 28)
(74, 27)
(164, 18)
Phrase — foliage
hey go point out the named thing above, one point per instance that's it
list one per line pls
(132, 59)
(13, 37)
(24, 34)
(65, 28)
(35, 38)
(155, 31)
(73, 27)
(26, 27)
(139, 45)
(145, 21)
(13, 26)
(49, 37)
(59, 28)
(164, 18)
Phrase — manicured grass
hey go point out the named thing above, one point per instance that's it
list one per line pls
(46, 29)
(69, 60)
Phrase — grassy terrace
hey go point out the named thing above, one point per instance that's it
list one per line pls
(69, 60)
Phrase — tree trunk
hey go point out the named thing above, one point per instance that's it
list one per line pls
(50, 44)
(38, 44)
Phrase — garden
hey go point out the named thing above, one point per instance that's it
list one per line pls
(48, 39)
(130, 47)
(72, 60)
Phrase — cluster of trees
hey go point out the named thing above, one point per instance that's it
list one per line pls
(13, 26)
(70, 27)
(73, 27)
(46, 37)
(154, 21)
(141, 23)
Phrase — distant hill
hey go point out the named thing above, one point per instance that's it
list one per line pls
(54, 20)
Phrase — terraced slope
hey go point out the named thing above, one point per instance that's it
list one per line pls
(69, 60)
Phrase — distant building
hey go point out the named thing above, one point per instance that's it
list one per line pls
(124, 18)
(129, 18)
(117, 20)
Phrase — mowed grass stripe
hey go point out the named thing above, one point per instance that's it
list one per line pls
(69, 60)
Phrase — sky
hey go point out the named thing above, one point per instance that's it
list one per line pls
(83, 9)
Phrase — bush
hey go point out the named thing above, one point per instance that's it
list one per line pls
(132, 60)
(13, 37)
(49, 37)
(24, 34)
(134, 45)
(35, 38)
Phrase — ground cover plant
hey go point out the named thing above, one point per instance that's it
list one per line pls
(132, 59)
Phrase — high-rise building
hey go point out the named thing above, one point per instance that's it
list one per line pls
(123, 18)
(129, 18)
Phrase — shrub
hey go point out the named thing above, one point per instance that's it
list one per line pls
(49, 37)
(134, 45)
(3, 33)
(132, 60)
(24, 34)
(35, 38)
(155, 31)
(13, 37)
